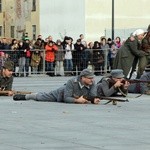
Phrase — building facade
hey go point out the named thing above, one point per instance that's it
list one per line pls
(60, 18)
(18, 17)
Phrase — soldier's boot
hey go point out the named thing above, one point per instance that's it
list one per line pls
(19, 97)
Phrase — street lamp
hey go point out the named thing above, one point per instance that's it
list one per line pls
(112, 19)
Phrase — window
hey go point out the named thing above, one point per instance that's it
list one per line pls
(33, 5)
(0, 6)
(34, 31)
(1, 30)
(12, 30)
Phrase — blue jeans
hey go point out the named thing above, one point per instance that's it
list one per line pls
(49, 66)
(68, 64)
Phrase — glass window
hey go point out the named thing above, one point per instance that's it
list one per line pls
(0, 5)
(34, 31)
(1, 28)
(12, 30)
(33, 5)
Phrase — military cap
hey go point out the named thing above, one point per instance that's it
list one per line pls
(87, 73)
(117, 73)
(9, 65)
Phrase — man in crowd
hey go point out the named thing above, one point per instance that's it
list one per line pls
(113, 85)
(6, 78)
(74, 91)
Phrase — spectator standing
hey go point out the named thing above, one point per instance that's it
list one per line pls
(109, 42)
(113, 53)
(21, 55)
(35, 60)
(77, 56)
(50, 50)
(59, 59)
(105, 48)
(68, 57)
(27, 50)
(39, 44)
(90, 49)
(85, 56)
(118, 42)
(14, 55)
(98, 59)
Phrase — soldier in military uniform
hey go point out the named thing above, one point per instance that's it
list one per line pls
(74, 91)
(6, 78)
(143, 87)
(113, 85)
(145, 60)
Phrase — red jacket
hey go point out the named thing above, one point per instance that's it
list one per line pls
(50, 53)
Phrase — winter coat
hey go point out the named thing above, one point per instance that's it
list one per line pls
(59, 55)
(35, 59)
(50, 53)
(146, 43)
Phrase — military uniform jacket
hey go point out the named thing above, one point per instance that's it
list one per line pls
(146, 43)
(72, 90)
(5, 82)
(126, 54)
(106, 88)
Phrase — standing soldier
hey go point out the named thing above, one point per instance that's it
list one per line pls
(128, 52)
(145, 60)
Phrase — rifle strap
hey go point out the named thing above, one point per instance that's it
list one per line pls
(125, 95)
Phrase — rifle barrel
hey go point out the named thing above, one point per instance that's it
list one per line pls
(113, 99)
(138, 81)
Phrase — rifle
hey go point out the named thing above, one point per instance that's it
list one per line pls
(136, 81)
(5, 93)
(110, 99)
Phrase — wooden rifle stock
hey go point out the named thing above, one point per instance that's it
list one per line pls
(14, 92)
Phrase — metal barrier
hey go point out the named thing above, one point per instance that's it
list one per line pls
(96, 59)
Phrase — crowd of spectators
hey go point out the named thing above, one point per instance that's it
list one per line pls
(58, 58)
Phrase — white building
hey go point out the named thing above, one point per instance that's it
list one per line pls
(93, 18)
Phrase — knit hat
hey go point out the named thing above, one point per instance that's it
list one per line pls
(87, 73)
(117, 73)
(9, 65)
(138, 32)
